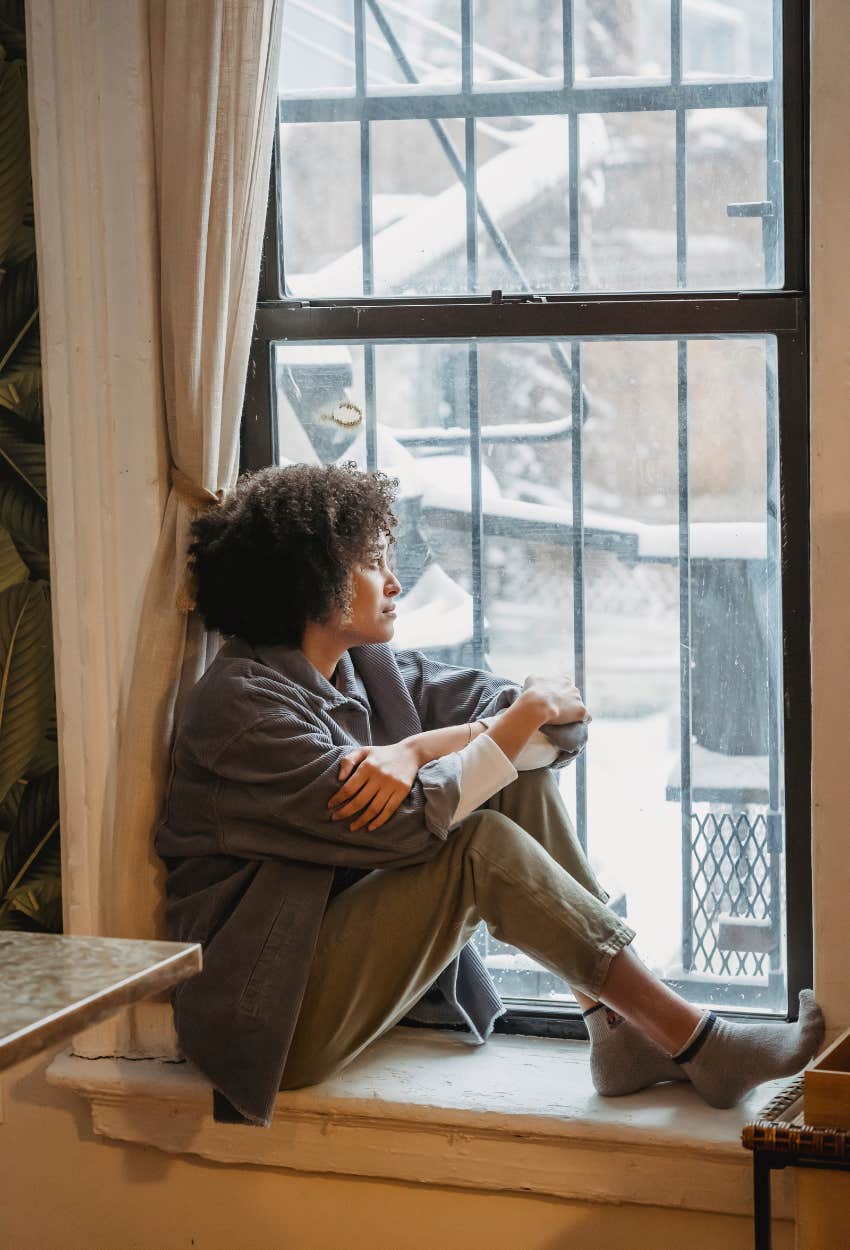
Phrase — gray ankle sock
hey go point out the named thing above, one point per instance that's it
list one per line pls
(622, 1059)
(724, 1061)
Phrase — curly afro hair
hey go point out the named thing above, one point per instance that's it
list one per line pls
(280, 548)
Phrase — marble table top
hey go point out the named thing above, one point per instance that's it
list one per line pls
(52, 986)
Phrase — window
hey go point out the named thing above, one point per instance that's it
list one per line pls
(555, 253)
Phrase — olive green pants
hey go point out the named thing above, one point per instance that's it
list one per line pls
(514, 863)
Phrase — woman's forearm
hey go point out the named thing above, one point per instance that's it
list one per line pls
(431, 744)
(517, 723)
(510, 730)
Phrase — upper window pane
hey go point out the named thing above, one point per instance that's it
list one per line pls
(733, 39)
(517, 42)
(422, 157)
(622, 39)
(427, 32)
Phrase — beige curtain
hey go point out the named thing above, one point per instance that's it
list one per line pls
(214, 94)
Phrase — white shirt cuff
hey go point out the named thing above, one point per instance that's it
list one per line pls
(538, 752)
(485, 769)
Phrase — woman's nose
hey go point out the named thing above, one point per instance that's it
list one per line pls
(394, 586)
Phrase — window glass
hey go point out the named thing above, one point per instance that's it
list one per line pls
(426, 33)
(523, 234)
(317, 51)
(321, 217)
(622, 39)
(518, 42)
(732, 227)
(628, 205)
(733, 39)
(418, 210)
(443, 190)
(693, 871)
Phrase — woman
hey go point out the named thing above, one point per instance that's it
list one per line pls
(341, 817)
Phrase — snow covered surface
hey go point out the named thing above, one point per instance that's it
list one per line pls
(508, 185)
(436, 612)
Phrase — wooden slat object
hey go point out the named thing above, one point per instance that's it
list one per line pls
(745, 933)
(826, 1086)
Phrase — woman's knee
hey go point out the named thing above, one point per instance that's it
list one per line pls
(491, 830)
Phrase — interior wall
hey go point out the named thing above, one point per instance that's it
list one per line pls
(822, 1198)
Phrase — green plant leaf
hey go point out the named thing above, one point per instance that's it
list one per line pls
(23, 459)
(38, 562)
(22, 245)
(13, 28)
(36, 821)
(13, 571)
(10, 805)
(20, 392)
(26, 676)
(14, 151)
(13, 41)
(46, 758)
(18, 300)
(24, 515)
(38, 897)
(20, 372)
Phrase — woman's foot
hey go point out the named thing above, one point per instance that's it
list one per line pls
(622, 1059)
(724, 1060)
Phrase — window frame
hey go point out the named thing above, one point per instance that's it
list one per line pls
(574, 316)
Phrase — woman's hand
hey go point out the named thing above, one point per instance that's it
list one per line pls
(560, 698)
(376, 781)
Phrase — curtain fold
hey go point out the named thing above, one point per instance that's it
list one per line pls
(214, 99)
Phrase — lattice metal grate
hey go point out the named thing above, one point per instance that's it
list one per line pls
(730, 875)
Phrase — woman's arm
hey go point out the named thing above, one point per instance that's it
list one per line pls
(511, 728)
(431, 744)
(447, 693)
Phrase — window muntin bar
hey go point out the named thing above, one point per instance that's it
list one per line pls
(681, 147)
(579, 611)
(685, 660)
(416, 103)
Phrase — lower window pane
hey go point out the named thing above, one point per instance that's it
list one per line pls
(696, 867)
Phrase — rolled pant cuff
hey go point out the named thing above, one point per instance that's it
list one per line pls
(620, 937)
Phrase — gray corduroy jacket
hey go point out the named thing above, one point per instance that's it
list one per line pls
(251, 850)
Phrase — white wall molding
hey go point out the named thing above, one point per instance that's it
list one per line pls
(519, 1115)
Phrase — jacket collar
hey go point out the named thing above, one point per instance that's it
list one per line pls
(293, 664)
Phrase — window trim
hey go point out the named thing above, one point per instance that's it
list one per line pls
(679, 314)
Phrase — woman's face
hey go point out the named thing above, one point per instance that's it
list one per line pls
(372, 616)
